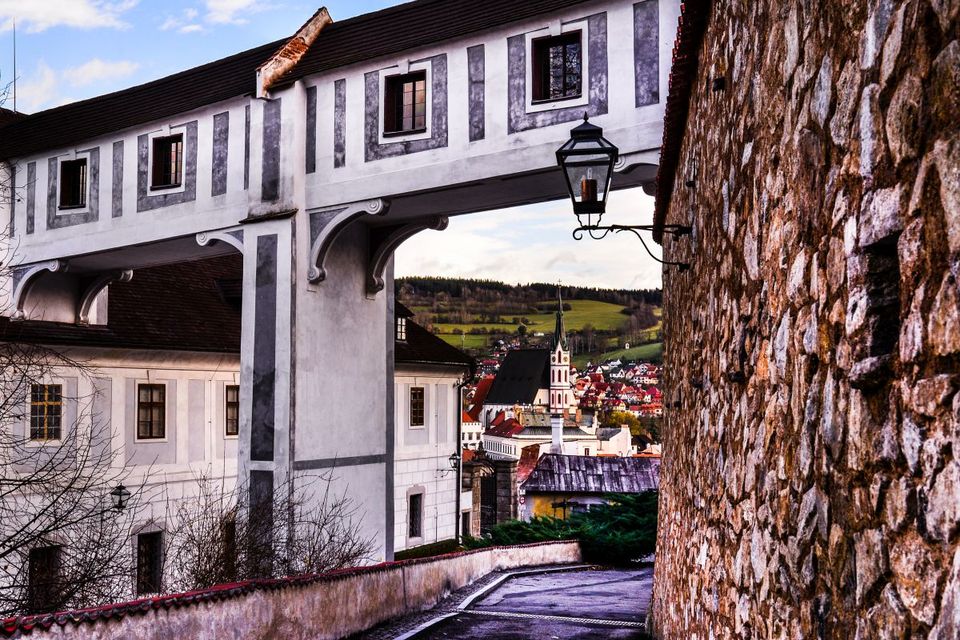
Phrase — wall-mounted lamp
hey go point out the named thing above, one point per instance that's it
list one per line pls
(587, 160)
(119, 496)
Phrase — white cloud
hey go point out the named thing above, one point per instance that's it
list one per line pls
(534, 244)
(97, 70)
(185, 23)
(38, 89)
(231, 11)
(39, 15)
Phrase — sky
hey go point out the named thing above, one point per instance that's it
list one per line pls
(69, 50)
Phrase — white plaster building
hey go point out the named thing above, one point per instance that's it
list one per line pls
(302, 157)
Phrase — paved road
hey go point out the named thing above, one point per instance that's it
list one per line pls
(584, 604)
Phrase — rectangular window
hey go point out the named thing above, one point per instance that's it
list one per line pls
(401, 329)
(405, 103)
(151, 411)
(415, 516)
(557, 67)
(416, 406)
(73, 183)
(167, 162)
(231, 409)
(149, 562)
(229, 530)
(46, 411)
(43, 574)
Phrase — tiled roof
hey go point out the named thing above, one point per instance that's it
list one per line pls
(422, 347)
(479, 396)
(373, 35)
(507, 428)
(591, 474)
(176, 307)
(523, 373)
(683, 77)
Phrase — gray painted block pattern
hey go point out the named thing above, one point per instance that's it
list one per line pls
(246, 147)
(438, 119)
(100, 412)
(646, 52)
(221, 139)
(116, 187)
(57, 220)
(264, 351)
(477, 91)
(517, 117)
(31, 195)
(270, 178)
(339, 123)
(146, 201)
(13, 204)
(196, 427)
(311, 133)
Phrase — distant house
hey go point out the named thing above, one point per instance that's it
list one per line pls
(562, 485)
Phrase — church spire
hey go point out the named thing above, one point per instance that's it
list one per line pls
(559, 333)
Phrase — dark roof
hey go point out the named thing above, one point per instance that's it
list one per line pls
(557, 473)
(683, 77)
(392, 30)
(7, 116)
(178, 307)
(422, 347)
(523, 373)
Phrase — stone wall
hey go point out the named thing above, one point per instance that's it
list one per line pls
(810, 486)
(333, 605)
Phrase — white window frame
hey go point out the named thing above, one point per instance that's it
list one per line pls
(426, 404)
(223, 407)
(581, 25)
(399, 70)
(73, 155)
(36, 444)
(166, 413)
(166, 132)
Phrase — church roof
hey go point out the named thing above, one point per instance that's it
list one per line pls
(390, 31)
(522, 374)
(559, 332)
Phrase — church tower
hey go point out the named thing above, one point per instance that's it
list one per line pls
(559, 379)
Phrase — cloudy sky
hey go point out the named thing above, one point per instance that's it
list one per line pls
(69, 50)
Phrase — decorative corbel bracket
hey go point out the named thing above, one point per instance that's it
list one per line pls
(384, 242)
(234, 238)
(93, 289)
(25, 276)
(327, 225)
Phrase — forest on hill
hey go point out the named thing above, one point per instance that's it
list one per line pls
(472, 313)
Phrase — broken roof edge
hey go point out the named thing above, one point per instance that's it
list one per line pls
(287, 56)
(691, 27)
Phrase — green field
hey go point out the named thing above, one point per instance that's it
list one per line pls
(602, 315)
(652, 351)
(466, 341)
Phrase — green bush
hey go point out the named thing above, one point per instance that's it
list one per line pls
(620, 532)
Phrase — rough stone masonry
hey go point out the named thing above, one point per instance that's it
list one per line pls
(811, 475)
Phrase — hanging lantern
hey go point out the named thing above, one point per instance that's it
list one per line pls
(587, 160)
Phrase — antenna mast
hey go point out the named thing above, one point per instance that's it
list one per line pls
(14, 65)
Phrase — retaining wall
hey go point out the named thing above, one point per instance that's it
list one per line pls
(331, 605)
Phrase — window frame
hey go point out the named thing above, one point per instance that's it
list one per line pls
(163, 406)
(537, 47)
(424, 66)
(56, 592)
(536, 106)
(85, 181)
(152, 140)
(423, 408)
(156, 564)
(393, 102)
(46, 403)
(227, 403)
(415, 533)
(401, 329)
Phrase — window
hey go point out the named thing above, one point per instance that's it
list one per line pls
(465, 524)
(151, 411)
(415, 516)
(43, 576)
(46, 411)
(149, 555)
(401, 329)
(228, 528)
(405, 103)
(557, 67)
(231, 409)
(167, 161)
(416, 406)
(73, 183)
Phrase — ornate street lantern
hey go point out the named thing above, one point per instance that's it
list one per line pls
(119, 496)
(454, 460)
(587, 160)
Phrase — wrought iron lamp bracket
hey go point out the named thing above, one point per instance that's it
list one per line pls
(598, 232)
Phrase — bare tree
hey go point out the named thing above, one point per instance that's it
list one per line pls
(304, 527)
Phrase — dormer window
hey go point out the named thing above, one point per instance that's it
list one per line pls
(405, 104)
(402, 329)
(167, 170)
(557, 67)
(73, 183)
